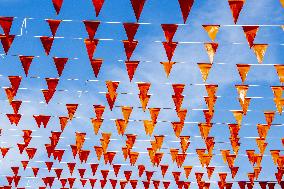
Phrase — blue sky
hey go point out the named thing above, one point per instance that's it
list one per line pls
(150, 53)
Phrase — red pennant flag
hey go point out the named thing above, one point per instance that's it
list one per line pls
(47, 43)
(51, 83)
(96, 65)
(169, 31)
(91, 45)
(131, 30)
(250, 33)
(57, 5)
(137, 6)
(41, 119)
(170, 48)
(131, 67)
(6, 23)
(15, 82)
(7, 41)
(14, 118)
(129, 47)
(53, 25)
(236, 7)
(60, 64)
(91, 27)
(26, 63)
(98, 6)
(185, 7)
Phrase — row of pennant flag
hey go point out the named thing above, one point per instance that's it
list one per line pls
(89, 163)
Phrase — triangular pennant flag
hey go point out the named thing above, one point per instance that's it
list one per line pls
(47, 43)
(170, 48)
(6, 23)
(131, 67)
(129, 47)
(71, 108)
(91, 45)
(131, 30)
(137, 6)
(168, 67)
(91, 27)
(6, 42)
(53, 25)
(98, 4)
(96, 65)
(169, 31)
(250, 33)
(26, 63)
(211, 30)
(185, 7)
(243, 71)
(57, 5)
(259, 50)
(280, 72)
(204, 69)
(211, 49)
(236, 7)
(60, 64)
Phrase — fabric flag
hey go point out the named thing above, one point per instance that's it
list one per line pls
(212, 31)
(236, 7)
(250, 33)
(6, 24)
(98, 4)
(137, 6)
(185, 7)
(91, 27)
(259, 51)
(57, 5)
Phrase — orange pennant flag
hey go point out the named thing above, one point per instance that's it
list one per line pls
(242, 91)
(177, 127)
(126, 111)
(53, 25)
(167, 67)
(131, 67)
(211, 30)
(91, 27)
(137, 6)
(250, 33)
(187, 170)
(169, 31)
(238, 114)
(154, 112)
(26, 63)
(185, 7)
(236, 7)
(98, 6)
(211, 49)
(57, 5)
(210, 171)
(259, 51)
(269, 117)
(204, 69)
(131, 30)
(243, 71)
(96, 124)
(71, 108)
(280, 72)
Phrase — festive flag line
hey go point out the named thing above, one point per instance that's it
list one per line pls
(96, 154)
